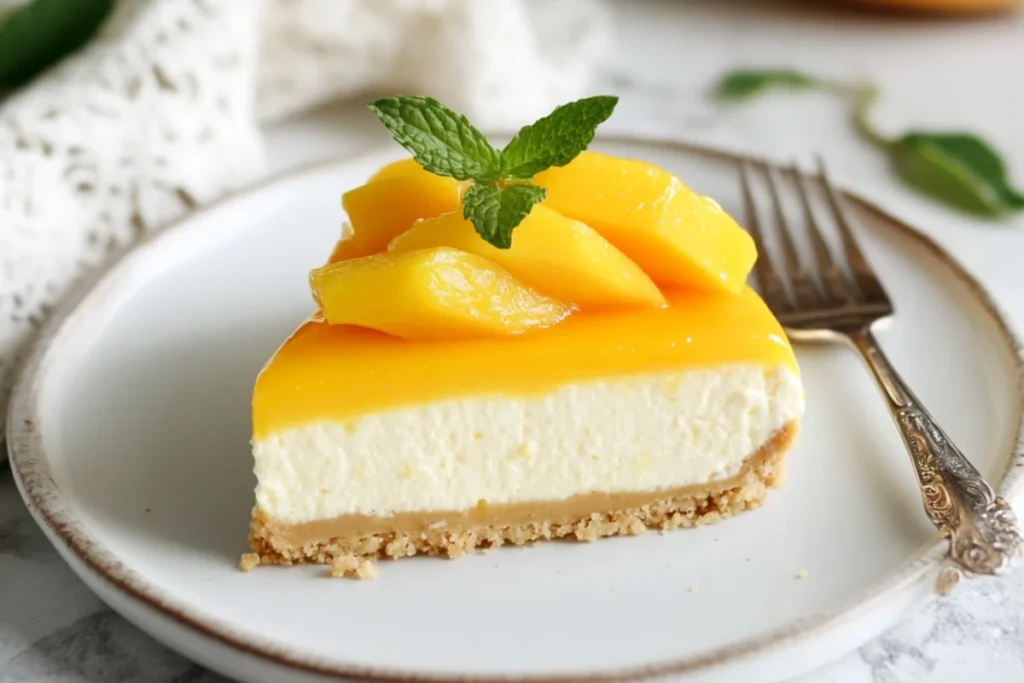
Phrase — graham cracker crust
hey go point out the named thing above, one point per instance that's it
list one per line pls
(582, 518)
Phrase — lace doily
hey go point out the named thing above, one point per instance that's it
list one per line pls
(159, 113)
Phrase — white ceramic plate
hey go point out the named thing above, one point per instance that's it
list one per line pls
(129, 437)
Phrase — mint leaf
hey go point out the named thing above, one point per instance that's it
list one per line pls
(958, 168)
(558, 138)
(744, 83)
(495, 211)
(37, 35)
(441, 141)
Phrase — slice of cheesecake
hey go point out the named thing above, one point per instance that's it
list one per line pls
(587, 382)
(366, 444)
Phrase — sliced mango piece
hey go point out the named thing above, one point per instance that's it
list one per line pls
(388, 205)
(677, 236)
(338, 253)
(431, 294)
(558, 256)
(402, 168)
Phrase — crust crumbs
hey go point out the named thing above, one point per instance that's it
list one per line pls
(947, 580)
(248, 562)
(678, 512)
(352, 567)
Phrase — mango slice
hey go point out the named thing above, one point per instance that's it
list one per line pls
(338, 253)
(403, 168)
(677, 236)
(431, 294)
(395, 198)
(558, 256)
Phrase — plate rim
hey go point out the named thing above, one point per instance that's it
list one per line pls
(52, 511)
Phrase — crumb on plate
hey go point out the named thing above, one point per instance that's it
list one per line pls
(947, 580)
(352, 567)
(249, 562)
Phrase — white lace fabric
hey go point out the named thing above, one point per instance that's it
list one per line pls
(160, 113)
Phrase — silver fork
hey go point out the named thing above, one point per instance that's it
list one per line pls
(842, 305)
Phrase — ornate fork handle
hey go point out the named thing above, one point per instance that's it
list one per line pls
(981, 527)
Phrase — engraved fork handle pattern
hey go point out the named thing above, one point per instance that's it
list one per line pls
(981, 527)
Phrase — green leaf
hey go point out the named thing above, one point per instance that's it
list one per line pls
(558, 138)
(495, 211)
(743, 83)
(442, 141)
(37, 35)
(958, 168)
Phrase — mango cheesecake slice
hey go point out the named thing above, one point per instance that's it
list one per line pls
(455, 389)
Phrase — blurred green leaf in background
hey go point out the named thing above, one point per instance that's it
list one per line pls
(959, 169)
(38, 34)
(743, 83)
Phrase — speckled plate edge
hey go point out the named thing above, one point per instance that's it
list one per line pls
(52, 511)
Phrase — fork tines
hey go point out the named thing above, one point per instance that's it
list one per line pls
(837, 278)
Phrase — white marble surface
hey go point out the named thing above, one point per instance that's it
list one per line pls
(949, 74)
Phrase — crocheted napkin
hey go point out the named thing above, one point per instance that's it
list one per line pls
(160, 113)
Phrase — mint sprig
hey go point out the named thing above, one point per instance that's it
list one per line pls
(445, 143)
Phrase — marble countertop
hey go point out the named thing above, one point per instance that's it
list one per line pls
(934, 73)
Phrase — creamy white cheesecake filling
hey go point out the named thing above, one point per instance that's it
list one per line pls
(621, 435)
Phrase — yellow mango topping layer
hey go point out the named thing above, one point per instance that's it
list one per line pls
(430, 294)
(340, 372)
(561, 257)
(680, 238)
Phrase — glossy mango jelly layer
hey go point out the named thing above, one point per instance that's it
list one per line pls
(340, 372)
